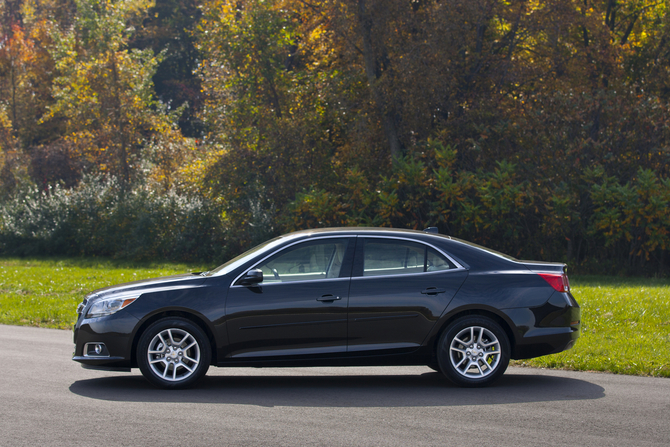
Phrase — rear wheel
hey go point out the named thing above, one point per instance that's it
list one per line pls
(473, 351)
(173, 353)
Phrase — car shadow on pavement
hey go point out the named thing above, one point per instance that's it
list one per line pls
(420, 390)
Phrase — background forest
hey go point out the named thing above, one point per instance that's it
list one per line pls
(191, 129)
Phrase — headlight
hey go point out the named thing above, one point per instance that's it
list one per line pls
(108, 306)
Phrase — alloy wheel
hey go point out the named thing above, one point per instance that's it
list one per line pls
(475, 352)
(173, 354)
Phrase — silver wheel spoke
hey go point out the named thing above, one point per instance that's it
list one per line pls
(459, 341)
(186, 337)
(174, 343)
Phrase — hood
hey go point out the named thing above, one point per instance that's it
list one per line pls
(154, 284)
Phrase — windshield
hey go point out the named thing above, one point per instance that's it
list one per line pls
(237, 261)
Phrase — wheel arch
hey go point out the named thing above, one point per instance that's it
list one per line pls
(173, 313)
(504, 324)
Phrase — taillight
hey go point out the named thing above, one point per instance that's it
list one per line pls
(558, 281)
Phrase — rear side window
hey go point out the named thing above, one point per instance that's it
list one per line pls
(435, 261)
(385, 257)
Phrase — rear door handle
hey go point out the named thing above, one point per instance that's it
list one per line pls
(328, 298)
(433, 291)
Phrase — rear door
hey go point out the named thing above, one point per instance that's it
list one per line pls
(399, 289)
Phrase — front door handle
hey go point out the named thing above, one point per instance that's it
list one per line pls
(433, 291)
(328, 298)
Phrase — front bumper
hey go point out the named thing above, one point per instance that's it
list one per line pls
(106, 364)
(115, 332)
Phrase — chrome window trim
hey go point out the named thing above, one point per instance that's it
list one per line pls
(284, 248)
(407, 274)
(296, 282)
(459, 267)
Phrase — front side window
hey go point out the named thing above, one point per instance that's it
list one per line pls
(306, 261)
(383, 257)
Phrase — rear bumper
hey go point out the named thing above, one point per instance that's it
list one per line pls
(545, 342)
(547, 329)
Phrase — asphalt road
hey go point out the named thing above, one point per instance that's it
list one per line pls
(47, 399)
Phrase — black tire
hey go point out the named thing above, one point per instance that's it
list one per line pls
(474, 351)
(173, 353)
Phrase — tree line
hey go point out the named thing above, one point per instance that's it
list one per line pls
(196, 128)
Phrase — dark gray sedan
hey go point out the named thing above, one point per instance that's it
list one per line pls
(336, 297)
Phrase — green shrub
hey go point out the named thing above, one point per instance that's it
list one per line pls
(595, 223)
(101, 218)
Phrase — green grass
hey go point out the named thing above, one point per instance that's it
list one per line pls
(46, 292)
(625, 321)
(625, 328)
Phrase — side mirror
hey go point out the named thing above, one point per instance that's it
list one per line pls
(254, 276)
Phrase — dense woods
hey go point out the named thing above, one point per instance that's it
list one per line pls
(192, 129)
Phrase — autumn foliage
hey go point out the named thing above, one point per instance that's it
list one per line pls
(537, 128)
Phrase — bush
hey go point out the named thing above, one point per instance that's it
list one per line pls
(595, 223)
(101, 218)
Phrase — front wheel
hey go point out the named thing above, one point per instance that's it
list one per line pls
(173, 353)
(474, 351)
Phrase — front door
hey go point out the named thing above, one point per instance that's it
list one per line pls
(300, 308)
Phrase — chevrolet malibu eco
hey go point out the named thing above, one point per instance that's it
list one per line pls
(335, 297)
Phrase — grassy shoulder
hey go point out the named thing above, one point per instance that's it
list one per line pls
(625, 321)
(46, 292)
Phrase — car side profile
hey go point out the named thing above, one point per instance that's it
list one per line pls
(336, 297)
